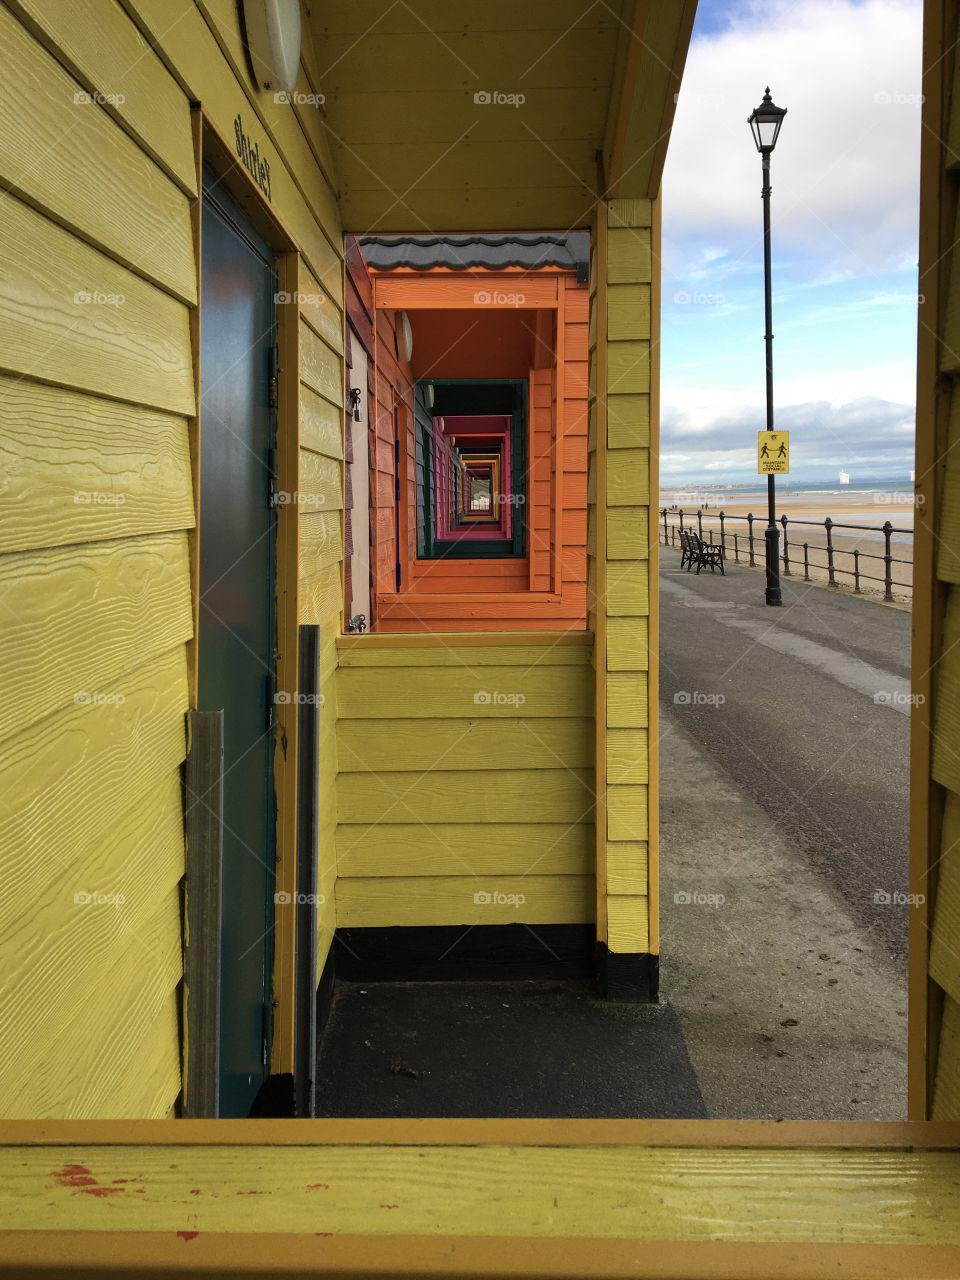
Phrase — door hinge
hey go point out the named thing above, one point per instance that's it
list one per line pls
(273, 370)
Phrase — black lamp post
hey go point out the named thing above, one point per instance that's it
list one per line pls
(765, 124)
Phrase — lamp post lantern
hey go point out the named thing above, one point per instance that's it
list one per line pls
(765, 124)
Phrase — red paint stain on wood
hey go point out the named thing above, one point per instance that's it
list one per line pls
(194, 1191)
(77, 1177)
(188, 1235)
(74, 1175)
(318, 1186)
(389, 1206)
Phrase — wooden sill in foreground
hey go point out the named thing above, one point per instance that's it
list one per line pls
(480, 1198)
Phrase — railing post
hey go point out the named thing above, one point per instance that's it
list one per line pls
(673, 535)
(680, 514)
(666, 538)
(750, 529)
(888, 561)
(723, 539)
(700, 521)
(856, 571)
(736, 546)
(831, 575)
(806, 562)
(786, 548)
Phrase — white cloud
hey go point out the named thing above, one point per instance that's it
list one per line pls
(845, 171)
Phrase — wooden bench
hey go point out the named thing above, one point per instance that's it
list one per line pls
(694, 551)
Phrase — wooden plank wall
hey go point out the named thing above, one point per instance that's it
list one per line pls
(464, 769)
(95, 396)
(619, 551)
(935, 743)
(97, 405)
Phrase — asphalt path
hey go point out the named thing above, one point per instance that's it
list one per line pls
(806, 710)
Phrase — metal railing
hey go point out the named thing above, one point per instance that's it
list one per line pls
(706, 525)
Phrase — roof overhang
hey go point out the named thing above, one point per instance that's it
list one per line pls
(496, 115)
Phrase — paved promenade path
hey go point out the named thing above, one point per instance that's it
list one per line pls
(784, 761)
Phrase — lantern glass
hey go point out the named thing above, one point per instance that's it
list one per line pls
(765, 123)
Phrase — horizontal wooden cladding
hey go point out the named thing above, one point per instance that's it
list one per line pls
(321, 541)
(497, 795)
(626, 700)
(318, 309)
(627, 644)
(628, 420)
(627, 755)
(948, 546)
(626, 812)
(92, 807)
(81, 469)
(103, 49)
(627, 923)
(69, 775)
(483, 292)
(487, 692)
(412, 849)
(944, 958)
(68, 969)
(946, 1093)
(76, 318)
(627, 589)
(77, 618)
(628, 483)
(628, 533)
(465, 899)
(627, 868)
(628, 255)
(946, 759)
(321, 485)
(628, 312)
(319, 594)
(183, 39)
(496, 607)
(524, 743)
(66, 155)
(321, 428)
(628, 367)
(321, 368)
(484, 648)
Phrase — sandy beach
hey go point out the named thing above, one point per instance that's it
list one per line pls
(806, 509)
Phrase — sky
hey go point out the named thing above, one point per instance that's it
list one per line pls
(845, 176)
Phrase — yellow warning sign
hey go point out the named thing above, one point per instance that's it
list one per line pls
(773, 453)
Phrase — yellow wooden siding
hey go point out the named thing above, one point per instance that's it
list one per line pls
(96, 398)
(92, 807)
(99, 44)
(78, 617)
(467, 900)
(80, 319)
(301, 197)
(935, 936)
(620, 485)
(465, 769)
(68, 157)
(97, 268)
(80, 469)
